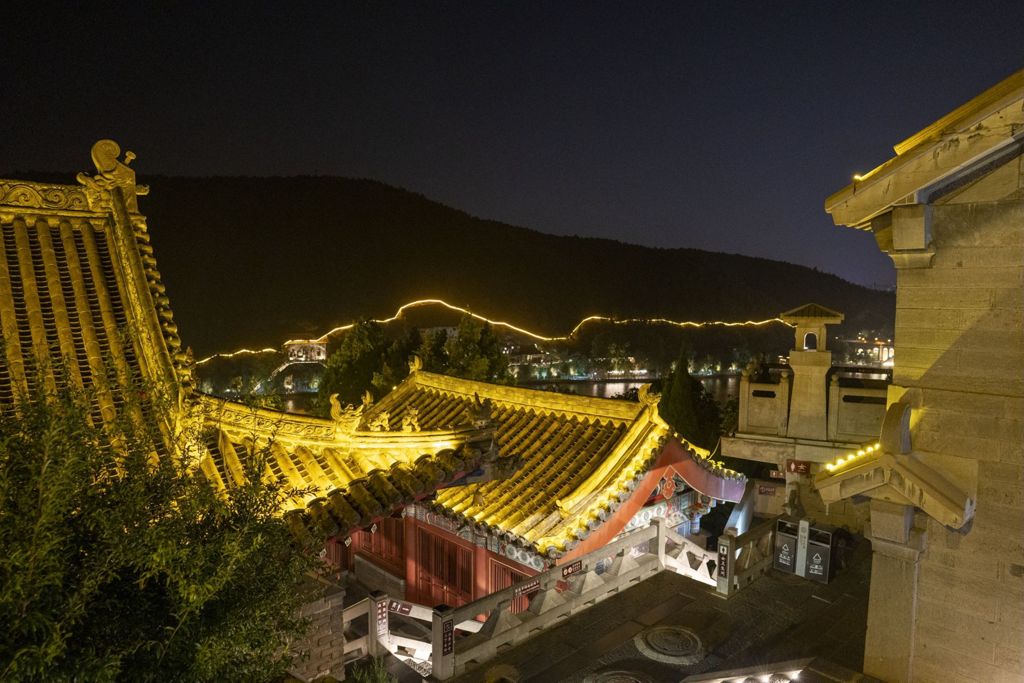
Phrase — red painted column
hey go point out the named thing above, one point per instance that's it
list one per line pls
(409, 529)
(481, 578)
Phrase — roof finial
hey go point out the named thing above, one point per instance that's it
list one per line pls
(111, 173)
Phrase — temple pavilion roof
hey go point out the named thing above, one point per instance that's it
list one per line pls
(82, 305)
(573, 459)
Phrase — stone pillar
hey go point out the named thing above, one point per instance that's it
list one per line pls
(380, 628)
(442, 637)
(724, 569)
(892, 607)
(807, 404)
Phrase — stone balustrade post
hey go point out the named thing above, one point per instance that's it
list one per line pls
(726, 559)
(442, 637)
(379, 626)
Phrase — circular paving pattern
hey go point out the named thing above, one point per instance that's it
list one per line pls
(618, 677)
(670, 644)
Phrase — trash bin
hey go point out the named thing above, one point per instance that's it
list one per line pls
(785, 546)
(820, 547)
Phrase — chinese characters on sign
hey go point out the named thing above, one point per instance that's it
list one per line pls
(382, 621)
(574, 568)
(447, 637)
(723, 561)
(527, 588)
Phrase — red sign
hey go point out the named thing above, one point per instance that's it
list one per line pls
(766, 490)
(573, 568)
(798, 467)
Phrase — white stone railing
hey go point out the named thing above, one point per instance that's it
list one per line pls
(553, 595)
(854, 413)
(743, 558)
(764, 406)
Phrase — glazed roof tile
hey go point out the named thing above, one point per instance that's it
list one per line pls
(576, 458)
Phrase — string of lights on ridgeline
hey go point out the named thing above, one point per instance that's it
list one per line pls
(515, 328)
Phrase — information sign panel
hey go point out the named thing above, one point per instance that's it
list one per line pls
(570, 569)
(447, 637)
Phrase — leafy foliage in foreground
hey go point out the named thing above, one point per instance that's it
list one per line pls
(118, 564)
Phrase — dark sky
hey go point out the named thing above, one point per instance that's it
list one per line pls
(715, 125)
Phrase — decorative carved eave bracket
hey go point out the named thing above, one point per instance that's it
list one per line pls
(906, 476)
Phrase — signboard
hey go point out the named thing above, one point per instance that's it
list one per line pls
(447, 637)
(382, 621)
(776, 474)
(574, 568)
(399, 607)
(526, 588)
(765, 490)
(798, 467)
(723, 561)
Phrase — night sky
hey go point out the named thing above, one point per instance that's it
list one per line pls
(721, 126)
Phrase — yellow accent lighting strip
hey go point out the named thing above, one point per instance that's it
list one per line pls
(850, 458)
(515, 328)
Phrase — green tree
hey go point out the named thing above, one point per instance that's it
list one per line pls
(120, 565)
(350, 370)
(687, 407)
(432, 351)
(474, 352)
(395, 363)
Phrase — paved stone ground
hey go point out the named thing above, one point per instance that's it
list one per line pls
(778, 617)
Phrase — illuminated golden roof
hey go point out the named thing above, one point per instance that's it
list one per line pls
(78, 283)
(577, 457)
(352, 476)
(80, 295)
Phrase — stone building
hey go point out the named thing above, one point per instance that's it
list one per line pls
(803, 415)
(946, 488)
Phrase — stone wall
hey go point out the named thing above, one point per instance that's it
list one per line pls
(324, 647)
(377, 579)
(960, 345)
(770, 499)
